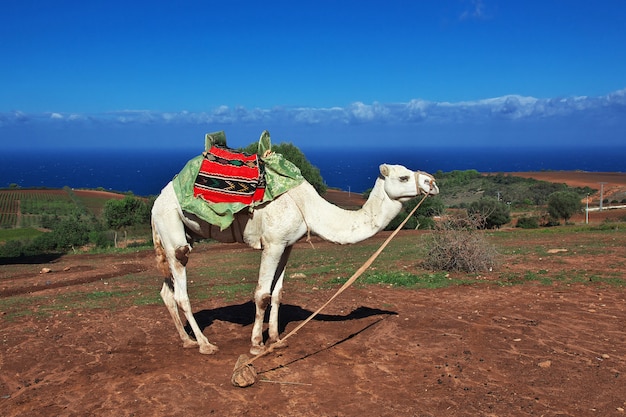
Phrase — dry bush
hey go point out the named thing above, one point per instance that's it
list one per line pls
(457, 245)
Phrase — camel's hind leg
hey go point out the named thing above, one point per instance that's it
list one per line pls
(167, 294)
(172, 253)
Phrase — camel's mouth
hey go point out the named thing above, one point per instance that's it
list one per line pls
(426, 183)
(434, 190)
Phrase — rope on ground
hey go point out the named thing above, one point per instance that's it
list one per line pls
(348, 283)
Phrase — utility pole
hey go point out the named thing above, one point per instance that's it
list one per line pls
(601, 194)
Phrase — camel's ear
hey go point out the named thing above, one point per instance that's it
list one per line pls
(384, 170)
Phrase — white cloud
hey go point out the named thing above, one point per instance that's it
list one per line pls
(476, 10)
(416, 111)
(617, 97)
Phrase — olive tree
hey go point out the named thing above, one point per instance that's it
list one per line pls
(122, 214)
(294, 155)
(563, 205)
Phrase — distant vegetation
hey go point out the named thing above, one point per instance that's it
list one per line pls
(292, 153)
(461, 188)
(36, 221)
(504, 198)
(59, 221)
(495, 198)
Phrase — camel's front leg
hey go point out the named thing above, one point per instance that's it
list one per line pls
(271, 272)
(277, 295)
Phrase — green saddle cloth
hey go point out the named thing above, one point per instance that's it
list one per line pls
(280, 176)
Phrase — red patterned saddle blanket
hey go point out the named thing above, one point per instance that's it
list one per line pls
(228, 176)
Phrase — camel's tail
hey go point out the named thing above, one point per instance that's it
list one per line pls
(159, 250)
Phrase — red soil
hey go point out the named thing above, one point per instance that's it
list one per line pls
(551, 350)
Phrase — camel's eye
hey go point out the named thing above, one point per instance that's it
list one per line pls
(404, 178)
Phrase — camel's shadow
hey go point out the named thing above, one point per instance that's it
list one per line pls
(243, 314)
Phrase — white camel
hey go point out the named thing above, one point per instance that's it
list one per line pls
(274, 228)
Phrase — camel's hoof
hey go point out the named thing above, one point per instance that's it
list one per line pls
(209, 349)
(257, 350)
(190, 344)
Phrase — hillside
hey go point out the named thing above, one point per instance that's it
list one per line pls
(614, 182)
(25, 207)
(13, 202)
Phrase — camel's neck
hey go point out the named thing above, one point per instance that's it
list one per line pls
(350, 226)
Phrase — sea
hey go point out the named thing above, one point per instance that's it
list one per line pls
(146, 172)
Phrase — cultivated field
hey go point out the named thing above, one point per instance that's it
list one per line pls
(25, 207)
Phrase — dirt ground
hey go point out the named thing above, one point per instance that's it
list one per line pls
(484, 350)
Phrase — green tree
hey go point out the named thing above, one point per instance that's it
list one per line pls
(527, 222)
(493, 213)
(69, 233)
(563, 205)
(456, 177)
(294, 155)
(11, 249)
(122, 214)
(541, 191)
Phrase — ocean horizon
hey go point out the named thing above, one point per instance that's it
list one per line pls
(146, 172)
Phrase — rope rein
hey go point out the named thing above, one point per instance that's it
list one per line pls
(348, 283)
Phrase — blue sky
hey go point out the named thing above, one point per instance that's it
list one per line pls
(316, 73)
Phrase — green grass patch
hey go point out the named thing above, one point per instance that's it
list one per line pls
(612, 281)
(540, 277)
(232, 274)
(231, 292)
(143, 291)
(569, 277)
(405, 279)
(19, 234)
(19, 306)
(147, 299)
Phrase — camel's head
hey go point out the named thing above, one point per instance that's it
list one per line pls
(403, 184)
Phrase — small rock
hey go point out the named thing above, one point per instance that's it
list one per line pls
(556, 250)
(545, 364)
(45, 270)
(67, 268)
(297, 275)
(605, 356)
